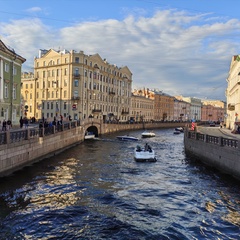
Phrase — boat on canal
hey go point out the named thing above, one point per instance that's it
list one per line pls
(144, 154)
(148, 134)
(89, 135)
(127, 138)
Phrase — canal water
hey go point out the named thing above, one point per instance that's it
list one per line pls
(96, 190)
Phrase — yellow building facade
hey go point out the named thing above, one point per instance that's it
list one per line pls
(142, 107)
(74, 85)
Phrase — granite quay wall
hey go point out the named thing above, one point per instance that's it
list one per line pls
(22, 147)
(218, 152)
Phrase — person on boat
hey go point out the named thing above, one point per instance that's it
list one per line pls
(146, 147)
(138, 148)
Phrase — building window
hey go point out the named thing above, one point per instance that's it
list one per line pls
(76, 59)
(75, 93)
(65, 94)
(6, 67)
(76, 83)
(14, 71)
(51, 105)
(65, 71)
(14, 92)
(64, 105)
(65, 82)
(47, 105)
(6, 90)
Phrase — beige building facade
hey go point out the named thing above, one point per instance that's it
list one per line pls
(233, 94)
(74, 85)
(142, 107)
(181, 110)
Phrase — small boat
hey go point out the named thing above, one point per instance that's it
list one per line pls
(144, 154)
(179, 129)
(127, 138)
(147, 134)
(89, 135)
(176, 132)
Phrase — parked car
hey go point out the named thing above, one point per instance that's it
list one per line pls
(212, 124)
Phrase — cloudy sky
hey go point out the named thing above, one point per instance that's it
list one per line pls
(182, 47)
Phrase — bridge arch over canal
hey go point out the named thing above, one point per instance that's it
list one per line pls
(92, 125)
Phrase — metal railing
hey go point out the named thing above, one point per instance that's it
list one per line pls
(221, 141)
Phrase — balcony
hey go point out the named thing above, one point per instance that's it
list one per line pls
(75, 98)
(96, 111)
(76, 75)
(111, 93)
(125, 112)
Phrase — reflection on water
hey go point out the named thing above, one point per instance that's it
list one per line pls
(97, 191)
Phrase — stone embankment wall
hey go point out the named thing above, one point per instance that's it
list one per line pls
(16, 155)
(25, 148)
(218, 152)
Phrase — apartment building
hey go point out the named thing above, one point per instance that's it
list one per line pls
(181, 110)
(28, 95)
(213, 110)
(10, 84)
(163, 106)
(142, 106)
(78, 86)
(195, 107)
(233, 94)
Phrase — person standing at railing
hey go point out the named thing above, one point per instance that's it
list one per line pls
(4, 125)
(21, 122)
(9, 124)
(26, 122)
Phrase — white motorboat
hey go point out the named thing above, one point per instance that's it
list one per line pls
(144, 154)
(179, 129)
(89, 135)
(127, 138)
(148, 134)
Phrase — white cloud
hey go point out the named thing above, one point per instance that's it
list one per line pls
(34, 9)
(169, 51)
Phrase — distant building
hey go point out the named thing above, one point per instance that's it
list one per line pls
(10, 84)
(233, 94)
(163, 109)
(28, 95)
(181, 110)
(213, 110)
(195, 107)
(71, 83)
(142, 107)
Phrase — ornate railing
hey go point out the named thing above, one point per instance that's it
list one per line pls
(221, 141)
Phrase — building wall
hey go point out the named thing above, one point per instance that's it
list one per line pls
(82, 86)
(142, 108)
(233, 94)
(10, 83)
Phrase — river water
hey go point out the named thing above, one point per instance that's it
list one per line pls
(96, 190)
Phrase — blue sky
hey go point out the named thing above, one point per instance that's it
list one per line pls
(182, 47)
